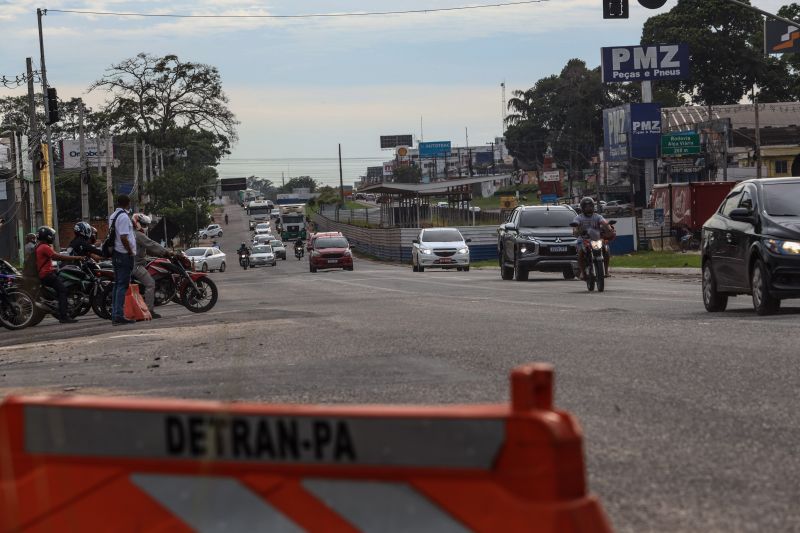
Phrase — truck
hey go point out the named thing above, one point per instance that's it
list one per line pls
(259, 211)
(292, 222)
(689, 204)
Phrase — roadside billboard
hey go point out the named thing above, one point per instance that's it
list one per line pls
(644, 63)
(780, 37)
(393, 141)
(435, 149)
(71, 153)
(632, 131)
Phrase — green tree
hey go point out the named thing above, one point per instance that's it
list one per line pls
(726, 46)
(328, 195)
(301, 182)
(407, 174)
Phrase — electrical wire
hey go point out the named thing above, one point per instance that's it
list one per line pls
(300, 16)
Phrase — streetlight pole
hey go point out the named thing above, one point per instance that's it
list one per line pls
(48, 130)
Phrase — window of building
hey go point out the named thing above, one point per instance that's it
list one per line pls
(781, 167)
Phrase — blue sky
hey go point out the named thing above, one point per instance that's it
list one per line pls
(299, 87)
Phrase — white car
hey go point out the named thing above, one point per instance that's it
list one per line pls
(263, 227)
(212, 231)
(207, 258)
(263, 238)
(279, 248)
(440, 248)
(262, 255)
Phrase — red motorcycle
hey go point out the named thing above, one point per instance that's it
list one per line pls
(176, 281)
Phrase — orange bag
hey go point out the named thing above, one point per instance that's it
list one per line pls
(135, 308)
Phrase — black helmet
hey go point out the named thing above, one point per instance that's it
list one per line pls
(587, 206)
(84, 229)
(46, 234)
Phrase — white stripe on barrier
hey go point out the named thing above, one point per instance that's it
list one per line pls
(214, 504)
(381, 507)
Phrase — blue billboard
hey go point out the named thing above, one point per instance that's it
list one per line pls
(632, 131)
(484, 158)
(644, 63)
(435, 149)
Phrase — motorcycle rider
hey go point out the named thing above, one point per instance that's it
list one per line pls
(45, 255)
(587, 219)
(243, 250)
(145, 247)
(82, 243)
(226, 219)
(299, 246)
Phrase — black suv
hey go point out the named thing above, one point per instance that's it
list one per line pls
(752, 245)
(537, 238)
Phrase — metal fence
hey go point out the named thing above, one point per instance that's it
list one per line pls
(407, 217)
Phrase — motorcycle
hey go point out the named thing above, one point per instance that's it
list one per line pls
(17, 308)
(595, 251)
(299, 252)
(244, 260)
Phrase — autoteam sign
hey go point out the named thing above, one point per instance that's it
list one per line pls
(435, 149)
(644, 63)
(681, 143)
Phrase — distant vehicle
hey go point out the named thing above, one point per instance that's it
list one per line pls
(751, 245)
(275, 214)
(293, 222)
(442, 204)
(370, 197)
(263, 238)
(259, 211)
(440, 248)
(330, 252)
(262, 255)
(206, 258)
(279, 248)
(212, 231)
(361, 196)
(263, 227)
(537, 238)
(314, 236)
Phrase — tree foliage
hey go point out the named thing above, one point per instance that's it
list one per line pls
(152, 95)
(301, 182)
(407, 174)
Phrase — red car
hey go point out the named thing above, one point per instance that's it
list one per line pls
(330, 251)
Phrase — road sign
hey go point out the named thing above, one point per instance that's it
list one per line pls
(645, 63)
(549, 198)
(780, 37)
(551, 175)
(393, 141)
(233, 184)
(435, 149)
(681, 143)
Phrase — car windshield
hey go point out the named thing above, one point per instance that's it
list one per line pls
(782, 199)
(279, 244)
(196, 252)
(442, 235)
(263, 249)
(331, 242)
(542, 218)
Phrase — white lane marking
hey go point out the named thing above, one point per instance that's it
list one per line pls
(381, 507)
(141, 334)
(211, 504)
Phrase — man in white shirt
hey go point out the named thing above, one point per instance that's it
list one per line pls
(122, 258)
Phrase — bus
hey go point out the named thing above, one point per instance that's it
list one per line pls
(258, 211)
(293, 222)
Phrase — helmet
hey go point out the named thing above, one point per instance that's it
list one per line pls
(140, 220)
(587, 206)
(83, 229)
(46, 234)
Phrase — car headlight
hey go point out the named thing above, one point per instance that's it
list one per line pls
(426, 251)
(348, 252)
(464, 250)
(523, 249)
(782, 247)
(597, 245)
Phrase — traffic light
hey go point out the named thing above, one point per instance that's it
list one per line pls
(652, 4)
(615, 9)
(52, 106)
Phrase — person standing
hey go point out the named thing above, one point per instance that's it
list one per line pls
(122, 258)
(30, 243)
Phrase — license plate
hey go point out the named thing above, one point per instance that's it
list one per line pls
(445, 260)
(330, 261)
(558, 248)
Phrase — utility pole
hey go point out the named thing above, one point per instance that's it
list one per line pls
(758, 137)
(136, 179)
(48, 131)
(34, 143)
(84, 173)
(341, 179)
(109, 180)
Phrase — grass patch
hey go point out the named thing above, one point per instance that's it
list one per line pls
(656, 260)
(483, 264)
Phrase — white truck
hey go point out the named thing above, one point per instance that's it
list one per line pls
(292, 222)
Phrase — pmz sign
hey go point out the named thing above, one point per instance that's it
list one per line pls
(632, 130)
(645, 63)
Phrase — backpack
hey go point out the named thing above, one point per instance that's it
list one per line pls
(108, 244)
(30, 269)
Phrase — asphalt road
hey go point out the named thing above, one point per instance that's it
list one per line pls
(691, 419)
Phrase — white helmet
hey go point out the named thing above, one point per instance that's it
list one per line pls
(140, 220)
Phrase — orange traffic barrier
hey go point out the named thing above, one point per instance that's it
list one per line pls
(98, 464)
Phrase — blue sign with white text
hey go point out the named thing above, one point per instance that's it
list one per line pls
(645, 62)
(549, 198)
(435, 149)
(632, 131)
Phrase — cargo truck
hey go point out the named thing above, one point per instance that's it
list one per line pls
(292, 222)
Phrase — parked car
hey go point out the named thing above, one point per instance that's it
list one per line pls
(442, 204)
(262, 255)
(211, 232)
(751, 245)
(330, 251)
(370, 197)
(263, 227)
(279, 248)
(439, 248)
(537, 238)
(207, 258)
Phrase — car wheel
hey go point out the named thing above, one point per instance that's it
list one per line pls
(349, 269)
(569, 273)
(204, 267)
(222, 267)
(466, 269)
(763, 302)
(219, 234)
(458, 269)
(712, 300)
(520, 272)
(312, 269)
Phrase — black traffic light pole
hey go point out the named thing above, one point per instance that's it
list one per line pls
(765, 13)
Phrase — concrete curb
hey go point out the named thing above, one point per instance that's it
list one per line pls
(686, 272)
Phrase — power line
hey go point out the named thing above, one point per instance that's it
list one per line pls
(299, 16)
